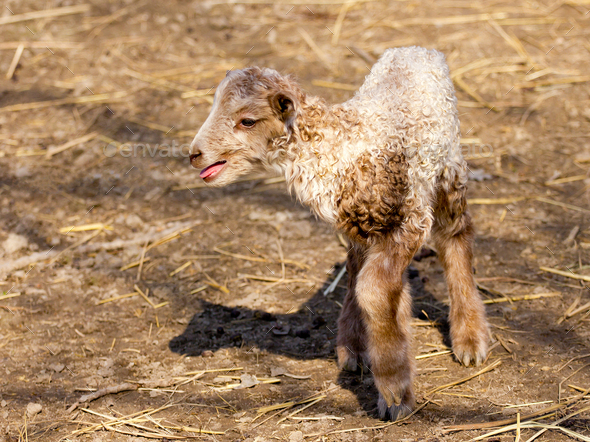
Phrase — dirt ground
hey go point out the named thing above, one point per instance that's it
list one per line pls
(226, 311)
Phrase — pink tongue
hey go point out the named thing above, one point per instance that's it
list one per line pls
(214, 168)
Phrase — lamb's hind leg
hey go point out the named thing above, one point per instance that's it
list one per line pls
(351, 340)
(384, 299)
(453, 236)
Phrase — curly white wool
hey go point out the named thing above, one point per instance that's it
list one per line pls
(406, 105)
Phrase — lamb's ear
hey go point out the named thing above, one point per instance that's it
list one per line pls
(285, 107)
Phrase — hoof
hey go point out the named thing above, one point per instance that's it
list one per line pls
(469, 357)
(472, 349)
(400, 408)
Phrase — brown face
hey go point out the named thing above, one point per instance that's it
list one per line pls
(234, 139)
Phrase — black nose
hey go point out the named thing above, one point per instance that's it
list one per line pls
(194, 157)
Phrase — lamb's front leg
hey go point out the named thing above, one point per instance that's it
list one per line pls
(469, 327)
(385, 302)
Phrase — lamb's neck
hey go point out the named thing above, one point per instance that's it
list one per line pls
(311, 161)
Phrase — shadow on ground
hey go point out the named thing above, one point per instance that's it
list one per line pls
(303, 334)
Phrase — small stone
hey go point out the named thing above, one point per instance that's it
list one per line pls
(318, 321)
(303, 333)
(14, 243)
(220, 331)
(265, 316)
(134, 221)
(247, 381)
(33, 409)
(296, 436)
(57, 367)
(281, 330)
(23, 172)
(478, 175)
(53, 240)
(277, 371)
(235, 313)
(207, 354)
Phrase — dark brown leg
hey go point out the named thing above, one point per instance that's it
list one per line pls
(351, 341)
(384, 300)
(453, 236)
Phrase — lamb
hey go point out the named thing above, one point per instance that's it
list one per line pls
(385, 168)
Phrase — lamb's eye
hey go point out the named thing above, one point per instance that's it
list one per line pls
(247, 122)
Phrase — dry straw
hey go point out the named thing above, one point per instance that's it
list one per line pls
(47, 13)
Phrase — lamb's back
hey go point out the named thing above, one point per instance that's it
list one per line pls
(401, 71)
(407, 105)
